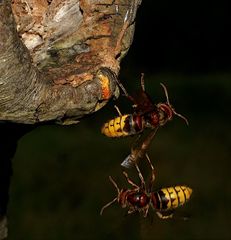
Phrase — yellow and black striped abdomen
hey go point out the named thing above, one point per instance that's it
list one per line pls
(170, 198)
(117, 127)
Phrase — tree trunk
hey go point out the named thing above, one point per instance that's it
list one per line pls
(59, 61)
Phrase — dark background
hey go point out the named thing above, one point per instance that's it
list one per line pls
(60, 177)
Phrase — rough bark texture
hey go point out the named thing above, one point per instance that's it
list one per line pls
(59, 60)
(66, 64)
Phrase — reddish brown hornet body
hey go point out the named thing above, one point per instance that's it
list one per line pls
(138, 199)
(146, 115)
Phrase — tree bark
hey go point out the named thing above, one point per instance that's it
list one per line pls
(59, 59)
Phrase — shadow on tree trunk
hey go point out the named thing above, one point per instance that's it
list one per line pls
(10, 135)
